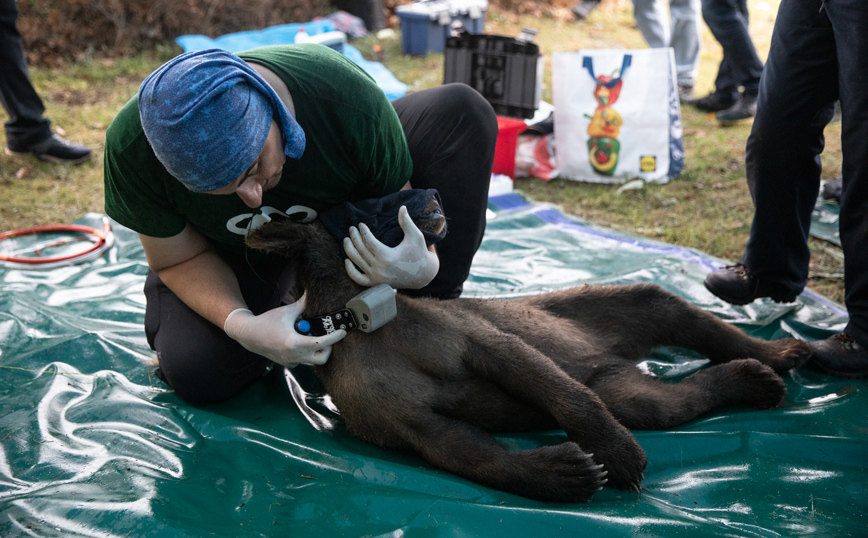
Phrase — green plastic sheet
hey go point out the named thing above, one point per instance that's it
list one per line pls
(92, 444)
(824, 221)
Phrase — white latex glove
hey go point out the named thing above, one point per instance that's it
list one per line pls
(410, 265)
(273, 335)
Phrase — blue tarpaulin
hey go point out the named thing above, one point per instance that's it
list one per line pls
(284, 34)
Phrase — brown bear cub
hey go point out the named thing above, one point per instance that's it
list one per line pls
(444, 375)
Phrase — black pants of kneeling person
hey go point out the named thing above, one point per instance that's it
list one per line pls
(451, 132)
(818, 54)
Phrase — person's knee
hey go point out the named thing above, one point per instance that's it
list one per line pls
(204, 371)
(684, 10)
(641, 8)
(458, 95)
(777, 124)
(468, 104)
(765, 126)
(712, 10)
(764, 141)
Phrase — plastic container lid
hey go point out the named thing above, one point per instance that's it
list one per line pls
(301, 36)
(442, 11)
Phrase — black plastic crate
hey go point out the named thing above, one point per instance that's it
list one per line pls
(505, 70)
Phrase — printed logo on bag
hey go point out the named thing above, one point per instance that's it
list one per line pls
(648, 163)
(603, 144)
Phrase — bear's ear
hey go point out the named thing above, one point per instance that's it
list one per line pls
(283, 237)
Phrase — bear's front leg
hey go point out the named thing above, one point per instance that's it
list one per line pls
(559, 473)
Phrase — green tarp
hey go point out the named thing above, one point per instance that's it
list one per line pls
(91, 444)
(824, 221)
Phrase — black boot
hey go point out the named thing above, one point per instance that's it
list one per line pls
(743, 108)
(840, 356)
(713, 102)
(54, 149)
(735, 284)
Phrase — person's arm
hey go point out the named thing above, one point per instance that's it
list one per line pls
(198, 276)
(204, 282)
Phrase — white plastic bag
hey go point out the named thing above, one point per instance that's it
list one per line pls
(617, 115)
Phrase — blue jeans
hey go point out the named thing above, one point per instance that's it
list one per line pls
(682, 33)
(740, 67)
(816, 57)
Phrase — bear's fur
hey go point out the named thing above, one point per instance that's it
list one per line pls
(443, 375)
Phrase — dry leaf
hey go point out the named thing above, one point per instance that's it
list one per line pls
(633, 185)
(22, 173)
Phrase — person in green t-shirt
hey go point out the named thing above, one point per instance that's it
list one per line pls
(215, 143)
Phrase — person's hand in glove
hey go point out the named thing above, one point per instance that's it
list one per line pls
(273, 335)
(410, 265)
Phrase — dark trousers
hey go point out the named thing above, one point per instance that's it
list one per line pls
(740, 67)
(453, 151)
(451, 131)
(196, 357)
(26, 125)
(816, 57)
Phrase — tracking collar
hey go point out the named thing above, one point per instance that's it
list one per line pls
(367, 311)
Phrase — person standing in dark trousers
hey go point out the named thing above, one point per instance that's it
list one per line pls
(819, 54)
(735, 88)
(28, 131)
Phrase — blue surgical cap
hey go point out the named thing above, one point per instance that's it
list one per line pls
(207, 114)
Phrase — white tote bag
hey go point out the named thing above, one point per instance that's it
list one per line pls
(617, 115)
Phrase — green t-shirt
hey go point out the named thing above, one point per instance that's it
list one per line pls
(355, 149)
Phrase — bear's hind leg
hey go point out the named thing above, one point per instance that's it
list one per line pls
(642, 402)
(633, 319)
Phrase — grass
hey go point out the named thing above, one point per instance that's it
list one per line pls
(708, 207)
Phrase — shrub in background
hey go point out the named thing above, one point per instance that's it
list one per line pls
(56, 31)
(59, 31)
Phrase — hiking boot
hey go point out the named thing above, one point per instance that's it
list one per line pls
(56, 150)
(685, 92)
(744, 108)
(713, 102)
(832, 189)
(840, 356)
(735, 284)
